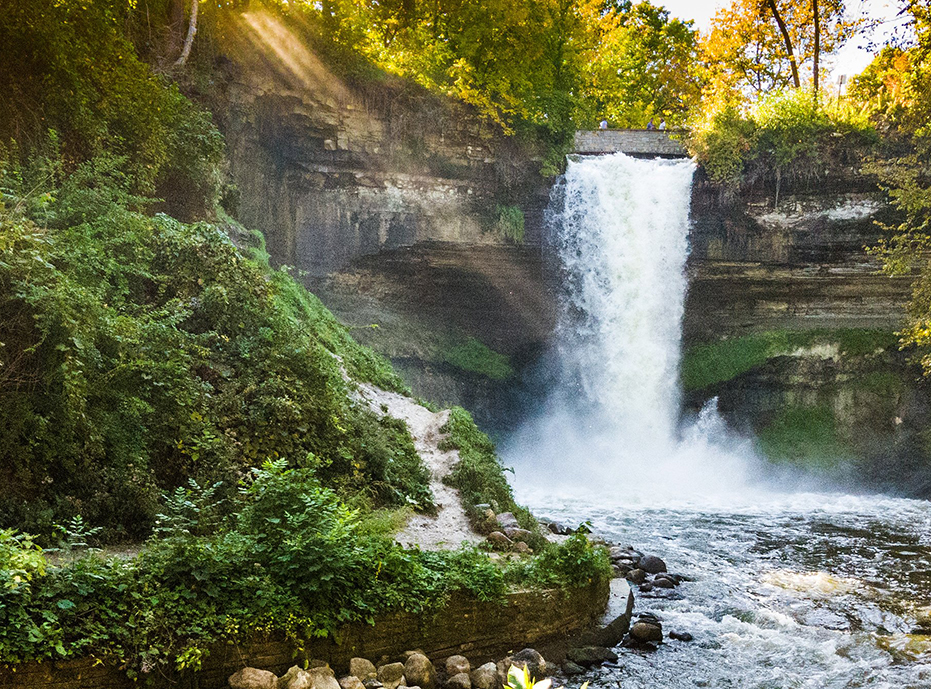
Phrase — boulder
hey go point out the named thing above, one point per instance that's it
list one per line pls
(636, 576)
(253, 678)
(459, 681)
(362, 668)
(522, 548)
(569, 669)
(391, 675)
(518, 534)
(530, 659)
(350, 682)
(419, 671)
(646, 631)
(662, 582)
(316, 662)
(372, 683)
(681, 636)
(499, 541)
(506, 520)
(591, 655)
(652, 564)
(456, 665)
(296, 678)
(323, 678)
(485, 677)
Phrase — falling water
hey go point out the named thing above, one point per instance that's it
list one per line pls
(620, 227)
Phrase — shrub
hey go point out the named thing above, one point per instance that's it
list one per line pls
(476, 357)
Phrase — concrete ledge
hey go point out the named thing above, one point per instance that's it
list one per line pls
(636, 142)
(481, 631)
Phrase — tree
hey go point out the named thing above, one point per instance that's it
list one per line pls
(756, 46)
(191, 32)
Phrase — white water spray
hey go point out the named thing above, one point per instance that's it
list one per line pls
(622, 237)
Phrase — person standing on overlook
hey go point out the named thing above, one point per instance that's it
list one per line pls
(603, 124)
(650, 125)
(662, 124)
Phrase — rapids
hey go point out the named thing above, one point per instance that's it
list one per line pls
(786, 588)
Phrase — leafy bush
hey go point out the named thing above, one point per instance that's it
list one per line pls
(787, 136)
(138, 352)
(509, 223)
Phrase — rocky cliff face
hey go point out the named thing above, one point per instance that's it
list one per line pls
(333, 167)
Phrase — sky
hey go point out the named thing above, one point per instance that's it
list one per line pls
(850, 60)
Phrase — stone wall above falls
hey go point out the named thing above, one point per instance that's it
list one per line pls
(332, 168)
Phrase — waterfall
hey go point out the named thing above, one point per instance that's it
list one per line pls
(620, 228)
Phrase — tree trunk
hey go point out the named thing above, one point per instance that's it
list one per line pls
(814, 7)
(189, 39)
(788, 41)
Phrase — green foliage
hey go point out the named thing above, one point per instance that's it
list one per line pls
(290, 559)
(785, 136)
(804, 435)
(68, 65)
(476, 357)
(705, 365)
(478, 475)
(509, 223)
(138, 352)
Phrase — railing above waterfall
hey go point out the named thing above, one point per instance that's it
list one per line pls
(635, 142)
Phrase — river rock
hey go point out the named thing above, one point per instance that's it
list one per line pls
(646, 587)
(500, 541)
(323, 678)
(372, 683)
(681, 636)
(507, 520)
(636, 576)
(569, 669)
(459, 681)
(362, 668)
(485, 677)
(296, 678)
(418, 670)
(522, 548)
(662, 582)
(530, 659)
(253, 678)
(456, 665)
(591, 655)
(391, 675)
(652, 564)
(350, 682)
(646, 631)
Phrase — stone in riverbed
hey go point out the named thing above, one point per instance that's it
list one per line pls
(456, 665)
(296, 678)
(663, 582)
(591, 655)
(646, 631)
(459, 681)
(681, 636)
(253, 678)
(418, 670)
(569, 669)
(372, 683)
(652, 564)
(323, 678)
(530, 659)
(391, 675)
(350, 682)
(636, 576)
(362, 668)
(523, 548)
(485, 677)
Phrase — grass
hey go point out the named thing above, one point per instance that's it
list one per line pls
(705, 365)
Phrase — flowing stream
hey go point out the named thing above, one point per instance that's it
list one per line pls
(785, 588)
